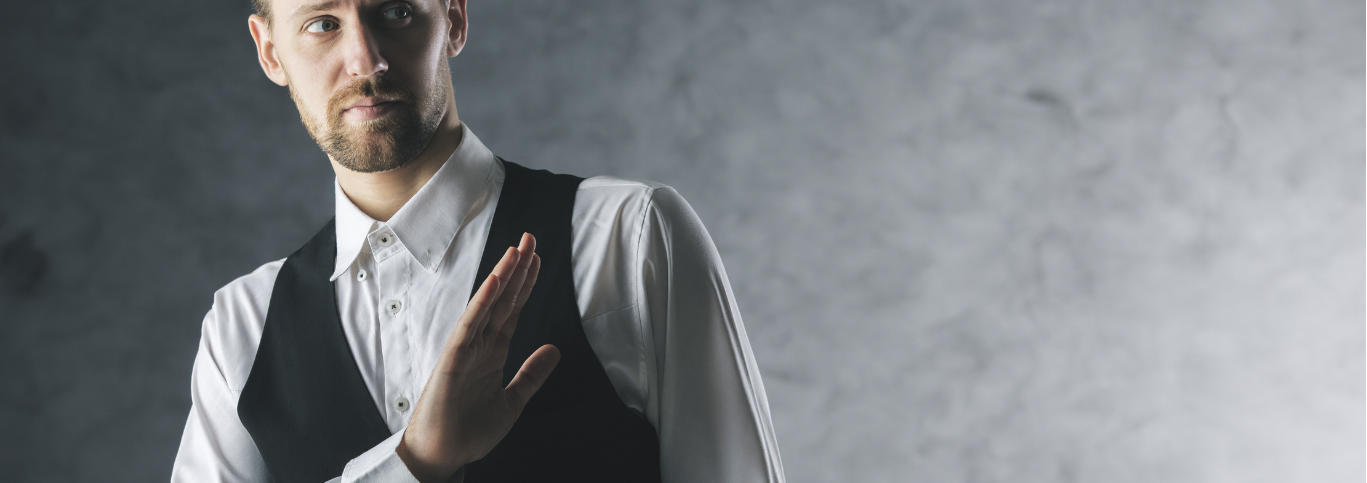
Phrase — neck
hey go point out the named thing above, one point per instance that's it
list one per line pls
(380, 195)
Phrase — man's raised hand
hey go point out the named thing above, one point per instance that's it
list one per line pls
(465, 410)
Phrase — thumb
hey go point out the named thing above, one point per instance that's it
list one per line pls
(532, 375)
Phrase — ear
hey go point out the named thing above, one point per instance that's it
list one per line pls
(265, 49)
(459, 27)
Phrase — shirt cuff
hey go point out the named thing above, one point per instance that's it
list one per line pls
(379, 465)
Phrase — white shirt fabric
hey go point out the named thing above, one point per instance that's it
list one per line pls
(655, 304)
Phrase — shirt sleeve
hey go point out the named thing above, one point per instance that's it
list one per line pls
(215, 447)
(709, 403)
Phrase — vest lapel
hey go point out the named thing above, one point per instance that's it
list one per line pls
(305, 403)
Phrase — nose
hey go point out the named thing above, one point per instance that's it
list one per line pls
(363, 57)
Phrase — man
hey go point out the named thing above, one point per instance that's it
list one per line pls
(463, 317)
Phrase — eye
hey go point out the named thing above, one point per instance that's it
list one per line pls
(321, 25)
(401, 12)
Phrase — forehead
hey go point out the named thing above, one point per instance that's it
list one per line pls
(287, 10)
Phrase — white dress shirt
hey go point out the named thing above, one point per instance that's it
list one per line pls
(654, 300)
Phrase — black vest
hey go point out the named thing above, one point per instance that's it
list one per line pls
(309, 411)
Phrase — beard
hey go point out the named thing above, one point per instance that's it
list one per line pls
(380, 144)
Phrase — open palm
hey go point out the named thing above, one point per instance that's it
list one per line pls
(465, 410)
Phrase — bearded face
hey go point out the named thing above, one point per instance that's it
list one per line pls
(374, 124)
(370, 77)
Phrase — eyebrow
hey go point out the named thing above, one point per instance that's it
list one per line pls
(313, 7)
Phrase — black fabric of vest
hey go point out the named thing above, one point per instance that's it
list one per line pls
(309, 411)
(575, 428)
(304, 403)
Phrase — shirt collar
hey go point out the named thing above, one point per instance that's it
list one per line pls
(428, 222)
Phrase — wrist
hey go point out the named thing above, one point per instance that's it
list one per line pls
(425, 470)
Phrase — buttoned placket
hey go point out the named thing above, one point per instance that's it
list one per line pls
(393, 276)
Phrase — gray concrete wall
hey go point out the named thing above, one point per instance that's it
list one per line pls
(973, 241)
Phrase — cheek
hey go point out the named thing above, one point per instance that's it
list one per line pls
(313, 73)
(314, 85)
(309, 96)
(422, 53)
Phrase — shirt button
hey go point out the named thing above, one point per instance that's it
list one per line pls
(401, 404)
(385, 239)
(394, 307)
(361, 275)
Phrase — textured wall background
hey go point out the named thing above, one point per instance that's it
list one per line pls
(973, 240)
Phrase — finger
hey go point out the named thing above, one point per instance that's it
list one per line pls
(504, 271)
(533, 270)
(526, 244)
(509, 324)
(476, 311)
(514, 293)
(531, 376)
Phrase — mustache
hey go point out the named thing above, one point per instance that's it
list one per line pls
(372, 87)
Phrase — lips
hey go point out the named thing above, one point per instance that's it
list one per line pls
(370, 102)
(368, 108)
(371, 99)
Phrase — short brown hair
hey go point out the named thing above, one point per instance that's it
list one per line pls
(263, 8)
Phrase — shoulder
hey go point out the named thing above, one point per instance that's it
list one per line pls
(611, 193)
(621, 224)
(615, 220)
(232, 328)
(618, 202)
